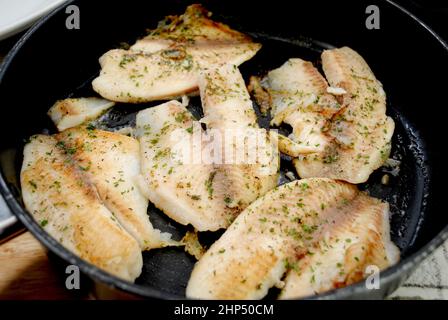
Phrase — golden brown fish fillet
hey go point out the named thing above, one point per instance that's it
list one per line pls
(348, 247)
(166, 63)
(284, 227)
(361, 131)
(111, 161)
(192, 27)
(68, 207)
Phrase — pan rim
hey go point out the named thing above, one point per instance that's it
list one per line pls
(95, 273)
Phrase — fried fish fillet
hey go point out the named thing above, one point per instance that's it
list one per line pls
(188, 183)
(72, 112)
(350, 247)
(298, 95)
(68, 207)
(345, 141)
(193, 27)
(361, 131)
(111, 161)
(186, 189)
(250, 158)
(285, 228)
(166, 63)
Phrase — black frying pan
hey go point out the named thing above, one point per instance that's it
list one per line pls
(51, 62)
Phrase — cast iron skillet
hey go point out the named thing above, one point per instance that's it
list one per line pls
(51, 62)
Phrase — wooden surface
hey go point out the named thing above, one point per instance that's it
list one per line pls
(27, 273)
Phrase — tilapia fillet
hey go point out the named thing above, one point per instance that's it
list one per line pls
(111, 162)
(346, 252)
(361, 131)
(184, 181)
(250, 158)
(316, 227)
(69, 208)
(186, 189)
(166, 63)
(297, 93)
(345, 136)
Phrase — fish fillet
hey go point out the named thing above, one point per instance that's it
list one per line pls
(250, 156)
(70, 113)
(187, 190)
(283, 229)
(111, 161)
(68, 207)
(361, 130)
(298, 95)
(166, 63)
(350, 246)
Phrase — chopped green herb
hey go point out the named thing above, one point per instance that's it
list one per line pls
(181, 117)
(330, 158)
(308, 229)
(126, 59)
(209, 184)
(304, 186)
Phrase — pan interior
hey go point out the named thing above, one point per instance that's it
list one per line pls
(168, 269)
